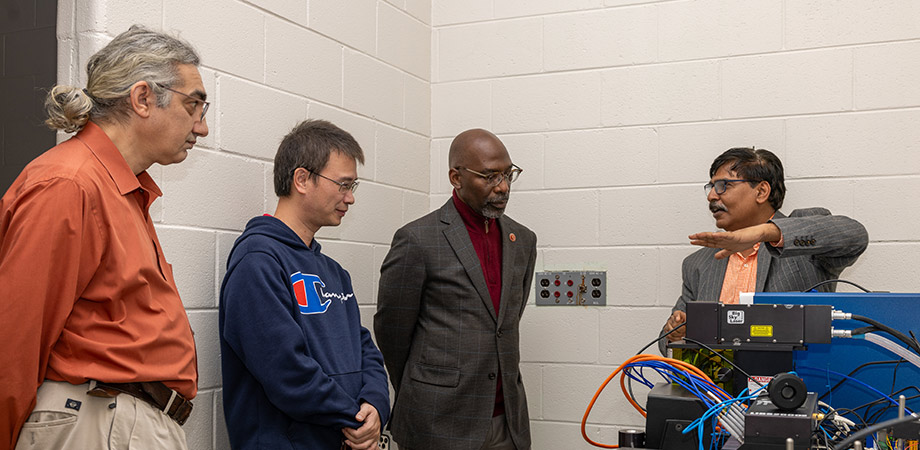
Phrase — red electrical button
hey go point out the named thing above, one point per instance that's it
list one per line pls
(569, 282)
(556, 293)
(569, 293)
(557, 283)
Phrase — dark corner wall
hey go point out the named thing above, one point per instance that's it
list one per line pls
(28, 69)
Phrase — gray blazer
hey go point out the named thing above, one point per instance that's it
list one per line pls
(817, 247)
(441, 340)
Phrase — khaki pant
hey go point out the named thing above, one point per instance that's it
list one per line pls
(66, 418)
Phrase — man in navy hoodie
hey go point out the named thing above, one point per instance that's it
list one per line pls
(299, 370)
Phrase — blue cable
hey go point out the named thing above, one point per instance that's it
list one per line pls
(857, 381)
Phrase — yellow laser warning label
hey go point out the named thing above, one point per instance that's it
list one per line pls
(761, 330)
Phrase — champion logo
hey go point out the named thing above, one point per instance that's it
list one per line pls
(311, 299)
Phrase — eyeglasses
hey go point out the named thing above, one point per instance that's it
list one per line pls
(721, 185)
(343, 186)
(204, 109)
(495, 178)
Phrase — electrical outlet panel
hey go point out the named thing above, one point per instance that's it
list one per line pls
(571, 287)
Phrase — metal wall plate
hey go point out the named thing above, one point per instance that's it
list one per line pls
(571, 288)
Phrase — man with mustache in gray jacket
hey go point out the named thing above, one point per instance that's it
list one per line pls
(761, 249)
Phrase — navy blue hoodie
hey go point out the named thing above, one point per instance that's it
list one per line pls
(297, 364)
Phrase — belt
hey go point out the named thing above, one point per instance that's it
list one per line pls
(156, 393)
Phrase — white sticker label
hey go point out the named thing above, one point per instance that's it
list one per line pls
(735, 317)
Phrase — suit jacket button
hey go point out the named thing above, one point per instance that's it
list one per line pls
(492, 376)
(498, 333)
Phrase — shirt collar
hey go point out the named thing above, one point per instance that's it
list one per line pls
(114, 162)
(473, 220)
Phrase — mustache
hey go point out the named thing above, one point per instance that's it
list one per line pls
(499, 198)
(715, 206)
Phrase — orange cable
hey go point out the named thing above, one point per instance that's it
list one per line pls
(643, 357)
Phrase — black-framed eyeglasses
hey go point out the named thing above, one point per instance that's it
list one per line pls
(343, 186)
(204, 108)
(495, 178)
(721, 185)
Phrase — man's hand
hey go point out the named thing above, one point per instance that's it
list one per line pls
(368, 434)
(677, 318)
(737, 241)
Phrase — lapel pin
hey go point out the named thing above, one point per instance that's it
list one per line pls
(512, 237)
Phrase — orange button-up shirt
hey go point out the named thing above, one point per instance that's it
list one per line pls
(741, 274)
(85, 291)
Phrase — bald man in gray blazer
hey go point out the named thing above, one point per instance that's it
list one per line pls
(745, 191)
(452, 291)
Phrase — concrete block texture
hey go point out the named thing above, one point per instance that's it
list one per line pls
(292, 10)
(559, 218)
(649, 215)
(625, 331)
(559, 334)
(885, 76)
(526, 151)
(632, 272)
(606, 38)
(212, 190)
(460, 106)
(420, 9)
(358, 260)
(418, 106)
(826, 23)
(191, 252)
(444, 12)
(884, 223)
(374, 88)
(717, 28)
(229, 36)
(502, 48)
(880, 143)
(838, 195)
(664, 93)
(569, 388)
(532, 375)
(364, 131)
(518, 8)
(886, 266)
(199, 430)
(316, 70)
(788, 83)
(670, 259)
(352, 23)
(546, 102)
(374, 217)
(207, 346)
(609, 157)
(254, 118)
(555, 435)
(686, 152)
(402, 158)
(403, 40)
(119, 16)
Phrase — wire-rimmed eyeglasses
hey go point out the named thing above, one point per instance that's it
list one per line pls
(494, 178)
(721, 185)
(343, 185)
(205, 104)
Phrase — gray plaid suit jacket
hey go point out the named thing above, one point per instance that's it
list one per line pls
(441, 340)
(817, 247)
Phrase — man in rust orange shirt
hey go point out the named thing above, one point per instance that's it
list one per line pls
(95, 339)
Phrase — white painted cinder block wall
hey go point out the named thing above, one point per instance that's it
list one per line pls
(614, 108)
